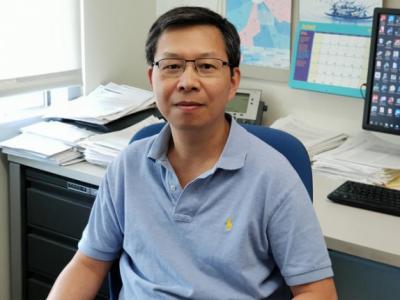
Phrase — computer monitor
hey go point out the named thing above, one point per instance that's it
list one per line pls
(382, 103)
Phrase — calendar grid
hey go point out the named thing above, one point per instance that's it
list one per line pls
(332, 59)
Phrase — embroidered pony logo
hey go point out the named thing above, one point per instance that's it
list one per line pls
(228, 224)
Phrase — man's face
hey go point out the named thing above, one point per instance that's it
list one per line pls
(189, 100)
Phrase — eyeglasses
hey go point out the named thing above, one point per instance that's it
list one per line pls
(205, 67)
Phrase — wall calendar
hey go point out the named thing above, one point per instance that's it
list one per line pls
(330, 58)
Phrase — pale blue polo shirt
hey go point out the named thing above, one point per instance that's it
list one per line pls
(238, 231)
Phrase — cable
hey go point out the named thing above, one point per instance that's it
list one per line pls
(363, 88)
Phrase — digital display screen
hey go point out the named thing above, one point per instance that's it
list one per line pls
(239, 103)
(382, 112)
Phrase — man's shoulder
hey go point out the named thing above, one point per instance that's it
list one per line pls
(263, 160)
(140, 147)
(262, 151)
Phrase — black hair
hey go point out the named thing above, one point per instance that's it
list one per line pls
(191, 15)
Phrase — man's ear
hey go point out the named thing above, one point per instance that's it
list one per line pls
(235, 81)
(149, 75)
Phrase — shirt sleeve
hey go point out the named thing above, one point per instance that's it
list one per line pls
(103, 235)
(296, 239)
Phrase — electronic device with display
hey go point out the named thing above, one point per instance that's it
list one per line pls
(382, 102)
(247, 107)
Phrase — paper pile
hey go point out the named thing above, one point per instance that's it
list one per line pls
(364, 158)
(316, 140)
(57, 142)
(105, 104)
(67, 133)
(101, 149)
(52, 142)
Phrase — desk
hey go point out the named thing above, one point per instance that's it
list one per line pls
(355, 231)
(364, 234)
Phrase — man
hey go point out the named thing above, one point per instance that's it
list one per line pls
(204, 210)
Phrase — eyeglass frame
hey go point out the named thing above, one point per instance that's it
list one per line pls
(224, 63)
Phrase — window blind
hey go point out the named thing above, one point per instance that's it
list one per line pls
(39, 45)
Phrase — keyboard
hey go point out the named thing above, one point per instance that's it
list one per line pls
(367, 196)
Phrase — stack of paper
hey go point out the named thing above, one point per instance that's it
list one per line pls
(363, 158)
(105, 104)
(103, 148)
(316, 140)
(64, 132)
(53, 142)
(41, 148)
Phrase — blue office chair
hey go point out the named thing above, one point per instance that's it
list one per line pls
(283, 142)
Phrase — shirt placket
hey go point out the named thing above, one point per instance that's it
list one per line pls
(173, 187)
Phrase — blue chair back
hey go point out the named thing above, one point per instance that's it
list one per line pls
(283, 142)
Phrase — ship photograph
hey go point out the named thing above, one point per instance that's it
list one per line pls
(351, 12)
(348, 9)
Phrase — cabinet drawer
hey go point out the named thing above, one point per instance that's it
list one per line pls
(47, 257)
(58, 214)
(37, 290)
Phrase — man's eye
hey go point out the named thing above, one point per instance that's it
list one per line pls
(205, 66)
(172, 67)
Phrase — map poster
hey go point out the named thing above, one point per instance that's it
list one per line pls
(264, 28)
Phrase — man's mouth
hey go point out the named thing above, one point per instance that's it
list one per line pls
(188, 105)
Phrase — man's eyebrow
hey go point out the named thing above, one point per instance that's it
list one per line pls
(200, 55)
(170, 55)
(209, 54)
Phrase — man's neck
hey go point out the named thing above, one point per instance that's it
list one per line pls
(191, 154)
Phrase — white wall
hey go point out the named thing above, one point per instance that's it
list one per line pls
(331, 111)
(114, 34)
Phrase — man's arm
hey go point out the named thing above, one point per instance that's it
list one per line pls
(80, 279)
(322, 289)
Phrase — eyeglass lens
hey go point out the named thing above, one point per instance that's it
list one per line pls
(204, 66)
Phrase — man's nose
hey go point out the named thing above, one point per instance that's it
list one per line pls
(189, 79)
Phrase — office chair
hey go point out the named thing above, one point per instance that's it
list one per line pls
(282, 141)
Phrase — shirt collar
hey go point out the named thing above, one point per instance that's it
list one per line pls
(159, 148)
(235, 149)
(233, 155)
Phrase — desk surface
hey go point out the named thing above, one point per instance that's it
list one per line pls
(354, 231)
(82, 171)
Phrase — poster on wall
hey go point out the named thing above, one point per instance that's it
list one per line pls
(264, 28)
(350, 12)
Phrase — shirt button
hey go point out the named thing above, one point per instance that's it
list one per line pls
(173, 188)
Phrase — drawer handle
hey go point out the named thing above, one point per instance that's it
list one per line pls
(81, 188)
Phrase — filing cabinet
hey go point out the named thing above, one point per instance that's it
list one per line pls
(53, 213)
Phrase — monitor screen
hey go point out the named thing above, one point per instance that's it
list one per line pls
(239, 103)
(382, 103)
